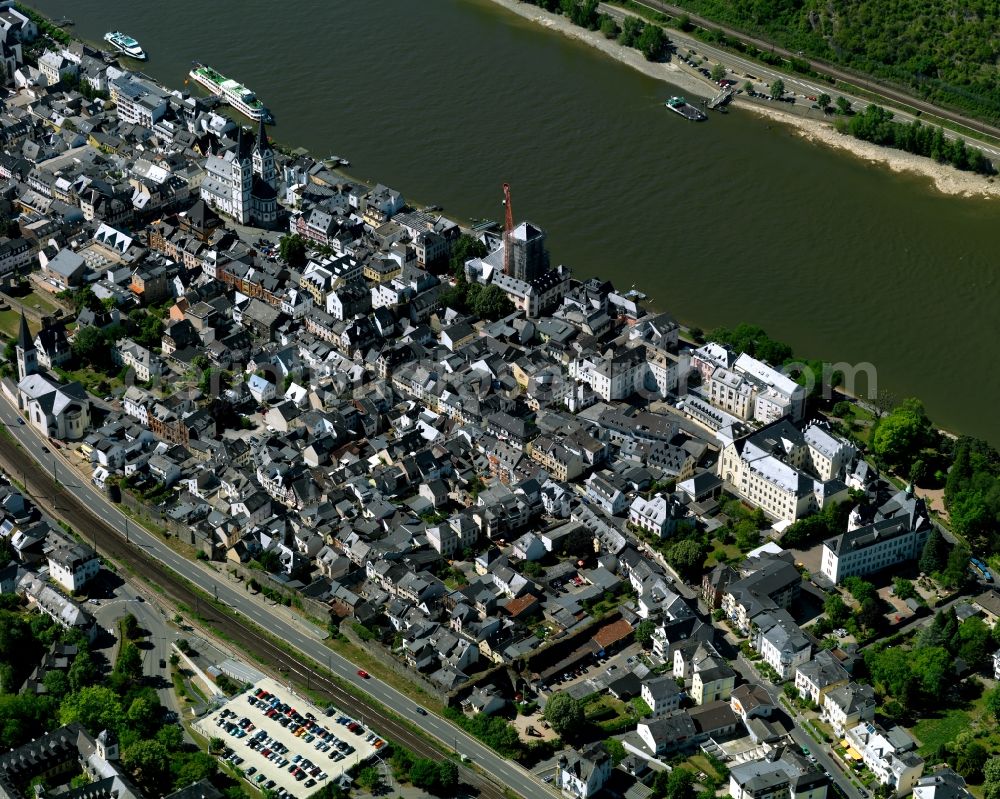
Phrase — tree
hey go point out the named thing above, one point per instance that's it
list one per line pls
(83, 672)
(860, 589)
(644, 631)
(436, 778)
(956, 571)
(747, 534)
(490, 302)
(970, 759)
(370, 779)
(870, 613)
(824, 100)
(843, 106)
(56, 683)
(216, 745)
(675, 784)
(447, 776)
(934, 556)
(564, 713)
(974, 642)
(687, 557)
(130, 627)
(149, 763)
(754, 341)
(90, 346)
(718, 72)
(991, 701)
(129, 663)
(904, 588)
(931, 667)
(890, 670)
(652, 42)
(991, 778)
(96, 707)
(632, 28)
(190, 767)
(900, 435)
(748, 87)
(464, 249)
(292, 250)
(777, 89)
(836, 609)
(609, 27)
(171, 736)
(616, 749)
(24, 717)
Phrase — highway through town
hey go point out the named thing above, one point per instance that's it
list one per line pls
(81, 505)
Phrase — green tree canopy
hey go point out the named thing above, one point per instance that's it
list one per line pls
(991, 778)
(687, 557)
(149, 763)
(96, 707)
(292, 250)
(934, 556)
(777, 88)
(644, 631)
(754, 341)
(652, 42)
(836, 609)
(190, 767)
(899, 437)
(464, 249)
(564, 713)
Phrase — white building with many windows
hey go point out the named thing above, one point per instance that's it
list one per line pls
(773, 470)
(888, 755)
(585, 772)
(73, 566)
(897, 533)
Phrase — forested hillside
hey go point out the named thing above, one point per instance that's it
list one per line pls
(945, 50)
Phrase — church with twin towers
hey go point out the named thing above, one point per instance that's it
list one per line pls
(242, 180)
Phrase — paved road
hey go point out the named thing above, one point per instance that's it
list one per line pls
(503, 772)
(862, 81)
(800, 86)
(824, 759)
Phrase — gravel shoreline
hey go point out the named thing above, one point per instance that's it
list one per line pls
(945, 179)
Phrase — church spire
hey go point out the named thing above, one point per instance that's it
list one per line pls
(24, 339)
(263, 145)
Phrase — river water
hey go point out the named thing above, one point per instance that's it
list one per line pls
(736, 219)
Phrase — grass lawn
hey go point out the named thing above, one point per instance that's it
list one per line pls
(39, 302)
(722, 553)
(701, 763)
(10, 321)
(932, 732)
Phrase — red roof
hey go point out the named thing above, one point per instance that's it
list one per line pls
(613, 633)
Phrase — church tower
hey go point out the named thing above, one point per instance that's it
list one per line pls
(27, 357)
(242, 178)
(264, 211)
(263, 158)
(107, 746)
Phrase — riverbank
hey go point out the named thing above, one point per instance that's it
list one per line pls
(665, 71)
(944, 178)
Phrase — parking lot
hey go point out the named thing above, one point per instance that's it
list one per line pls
(285, 743)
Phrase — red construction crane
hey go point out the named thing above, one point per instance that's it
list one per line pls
(508, 228)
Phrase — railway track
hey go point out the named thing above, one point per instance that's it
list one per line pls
(62, 505)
